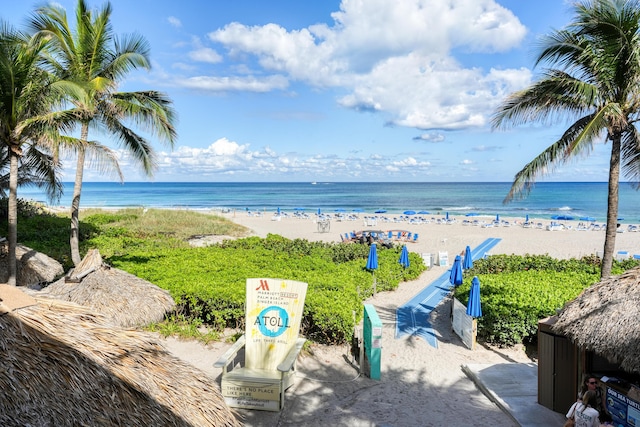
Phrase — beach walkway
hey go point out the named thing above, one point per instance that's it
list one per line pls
(413, 317)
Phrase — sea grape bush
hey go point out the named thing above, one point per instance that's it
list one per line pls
(517, 291)
(209, 283)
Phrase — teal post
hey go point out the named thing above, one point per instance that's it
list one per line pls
(372, 340)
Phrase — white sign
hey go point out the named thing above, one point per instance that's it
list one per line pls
(273, 314)
(465, 326)
(443, 259)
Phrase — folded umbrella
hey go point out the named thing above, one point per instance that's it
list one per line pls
(468, 260)
(474, 308)
(372, 261)
(404, 257)
(455, 276)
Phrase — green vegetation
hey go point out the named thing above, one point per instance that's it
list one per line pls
(209, 283)
(590, 80)
(517, 291)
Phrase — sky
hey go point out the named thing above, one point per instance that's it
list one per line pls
(328, 91)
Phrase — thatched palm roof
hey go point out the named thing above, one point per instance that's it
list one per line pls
(125, 299)
(32, 267)
(605, 318)
(63, 365)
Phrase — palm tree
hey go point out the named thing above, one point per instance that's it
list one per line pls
(592, 81)
(37, 167)
(26, 93)
(96, 59)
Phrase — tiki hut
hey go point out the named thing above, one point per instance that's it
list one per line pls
(605, 319)
(33, 267)
(64, 365)
(126, 300)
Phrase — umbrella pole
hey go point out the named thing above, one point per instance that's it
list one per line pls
(374, 284)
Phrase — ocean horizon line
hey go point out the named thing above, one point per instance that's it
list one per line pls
(546, 199)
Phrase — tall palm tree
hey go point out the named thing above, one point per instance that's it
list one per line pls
(593, 80)
(37, 167)
(26, 93)
(93, 57)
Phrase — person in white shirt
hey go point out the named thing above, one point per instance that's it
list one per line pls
(584, 412)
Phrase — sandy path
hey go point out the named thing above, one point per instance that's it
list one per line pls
(421, 385)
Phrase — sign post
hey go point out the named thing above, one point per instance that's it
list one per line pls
(372, 341)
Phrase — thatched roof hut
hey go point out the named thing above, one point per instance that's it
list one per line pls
(32, 267)
(126, 300)
(63, 365)
(605, 319)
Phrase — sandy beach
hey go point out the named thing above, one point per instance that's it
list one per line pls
(420, 385)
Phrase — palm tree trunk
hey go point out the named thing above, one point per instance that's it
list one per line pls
(74, 240)
(13, 216)
(612, 208)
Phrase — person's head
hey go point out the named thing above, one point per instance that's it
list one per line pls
(589, 399)
(590, 383)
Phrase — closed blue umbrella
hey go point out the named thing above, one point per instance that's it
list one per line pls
(526, 218)
(278, 210)
(319, 211)
(455, 277)
(446, 216)
(498, 218)
(372, 264)
(468, 260)
(474, 307)
(372, 261)
(404, 257)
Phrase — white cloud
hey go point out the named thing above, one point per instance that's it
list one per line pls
(205, 54)
(182, 66)
(249, 84)
(225, 157)
(174, 21)
(394, 58)
(484, 148)
(430, 137)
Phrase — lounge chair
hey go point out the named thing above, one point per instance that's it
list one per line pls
(274, 310)
(622, 256)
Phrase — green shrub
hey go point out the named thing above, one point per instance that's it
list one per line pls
(209, 283)
(517, 291)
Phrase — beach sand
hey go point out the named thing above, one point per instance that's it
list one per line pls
(420, 385)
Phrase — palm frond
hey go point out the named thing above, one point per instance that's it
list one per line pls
(630, 153)
(555, 96)
(577, 139)
(150, 110)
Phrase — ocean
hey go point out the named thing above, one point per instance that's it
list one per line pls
(547, 199)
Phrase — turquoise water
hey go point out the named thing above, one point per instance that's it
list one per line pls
(547, 199)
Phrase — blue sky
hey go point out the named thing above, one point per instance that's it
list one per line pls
(375, 90)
